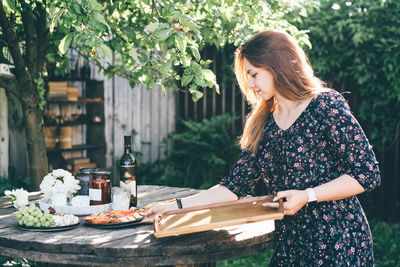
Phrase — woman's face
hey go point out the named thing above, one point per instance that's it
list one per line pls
(260, 80)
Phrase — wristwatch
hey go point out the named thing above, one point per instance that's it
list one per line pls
(311, 195)
(179, 203)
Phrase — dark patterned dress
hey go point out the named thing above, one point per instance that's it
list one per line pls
(324, 143)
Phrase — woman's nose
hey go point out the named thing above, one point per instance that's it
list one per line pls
(250, 83)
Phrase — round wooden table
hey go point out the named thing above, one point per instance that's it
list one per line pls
(134, 246)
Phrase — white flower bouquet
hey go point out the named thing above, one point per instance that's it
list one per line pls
(58, 183)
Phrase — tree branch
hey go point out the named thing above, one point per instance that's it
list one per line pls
(9, 83)
(154, 5)
(42, 31)
(13, 44)
(30, 38)
(155, 8)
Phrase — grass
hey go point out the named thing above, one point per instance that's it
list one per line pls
(257, 260)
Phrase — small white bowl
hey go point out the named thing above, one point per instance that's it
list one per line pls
(80, 201)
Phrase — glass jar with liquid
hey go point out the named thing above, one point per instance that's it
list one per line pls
(83, 177)
(100, 188)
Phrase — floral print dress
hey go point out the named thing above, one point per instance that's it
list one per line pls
(325, 142)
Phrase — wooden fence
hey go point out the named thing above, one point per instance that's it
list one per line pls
(146, 115)
(382, 203)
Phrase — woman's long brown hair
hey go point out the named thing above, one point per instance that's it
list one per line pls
(293, 77)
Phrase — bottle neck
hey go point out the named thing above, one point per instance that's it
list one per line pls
(127, 149)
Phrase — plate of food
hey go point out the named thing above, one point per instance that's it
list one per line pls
(113, 219)
(77, 210)
(33, 219)
(49, 229)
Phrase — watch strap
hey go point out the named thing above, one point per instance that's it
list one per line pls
(179, 203)
(311, 195)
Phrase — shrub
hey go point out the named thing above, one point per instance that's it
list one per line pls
(356, 48)
(202, 153)
(13, 182)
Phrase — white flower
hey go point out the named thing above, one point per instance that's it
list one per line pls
(19, 197)
(59, 181)
(60, 173)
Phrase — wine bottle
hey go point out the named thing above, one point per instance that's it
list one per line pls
(127, 167)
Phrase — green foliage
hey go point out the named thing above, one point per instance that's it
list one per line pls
(257, 260)
(386, 243)
(155, 41)
(7, 261)
(356, 47)
(13, 182)
(201, 154)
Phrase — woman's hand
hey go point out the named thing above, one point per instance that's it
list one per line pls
(295, 200)
(161, 207)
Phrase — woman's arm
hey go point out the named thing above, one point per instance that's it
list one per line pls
(241, 180)
(217, 193)
(342, 187)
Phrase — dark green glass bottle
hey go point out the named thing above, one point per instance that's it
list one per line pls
(127, 170)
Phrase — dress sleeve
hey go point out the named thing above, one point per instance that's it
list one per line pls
(348, 142)
(244, 175)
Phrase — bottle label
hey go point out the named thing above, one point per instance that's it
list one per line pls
(127, 174)
(95, 194)
(129, 185)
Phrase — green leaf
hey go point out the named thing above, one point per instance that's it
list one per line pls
(107, 51)
(151, 27)
(185, 61)
(97, 25)
(163, 89)
(186, 79)
(134, 55)
(165, 67)
(53, 23)
(217, 89)
(10, 4)
(65, 43)
(93, 4)
(99, 52)
(198, 79)
(195, 53)
(208, 75)
(99, 17)
(196, 94)
(150, 83)
(180, 43)
(196, 67)
(162, 35)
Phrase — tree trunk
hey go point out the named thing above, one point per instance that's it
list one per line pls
(27, 68)
(3, 134)
(35, 143)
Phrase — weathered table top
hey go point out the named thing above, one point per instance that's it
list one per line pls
(135, 246)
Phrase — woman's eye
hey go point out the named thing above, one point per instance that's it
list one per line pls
(254, 75)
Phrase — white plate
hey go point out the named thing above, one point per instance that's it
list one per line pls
(80, 211)
(49, 229)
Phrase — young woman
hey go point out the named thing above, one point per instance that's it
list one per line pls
(303, 142)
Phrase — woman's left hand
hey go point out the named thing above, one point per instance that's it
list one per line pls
(295, 200)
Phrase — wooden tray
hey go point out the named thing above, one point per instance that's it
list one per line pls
(208, 217)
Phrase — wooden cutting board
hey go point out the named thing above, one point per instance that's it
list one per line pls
(208, 217)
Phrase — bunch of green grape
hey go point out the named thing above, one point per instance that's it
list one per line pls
(32, 216)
